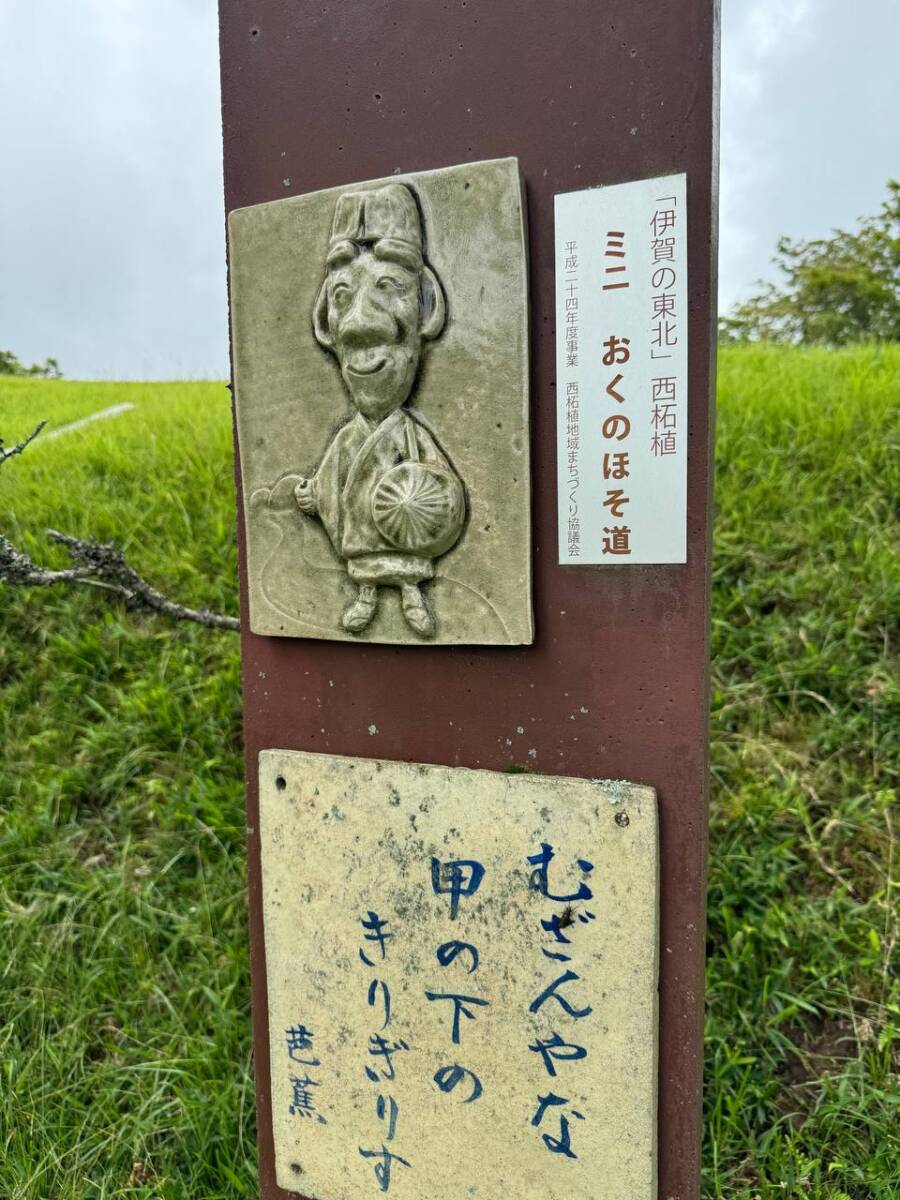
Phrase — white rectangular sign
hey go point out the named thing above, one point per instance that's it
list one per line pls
(621, 355)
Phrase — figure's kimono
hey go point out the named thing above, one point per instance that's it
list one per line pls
(354, 464)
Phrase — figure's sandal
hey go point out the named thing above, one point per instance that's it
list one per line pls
(418, 618)
(362, 610)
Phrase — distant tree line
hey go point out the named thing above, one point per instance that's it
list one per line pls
(833, 291)
(10, 365)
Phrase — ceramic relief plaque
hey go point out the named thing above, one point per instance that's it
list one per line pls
(461, 969)
(381, 367)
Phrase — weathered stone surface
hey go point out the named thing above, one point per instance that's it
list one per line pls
(381, 365)
(349, 843)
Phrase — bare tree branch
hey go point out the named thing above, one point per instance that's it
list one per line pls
(96, 564)
(5, 454)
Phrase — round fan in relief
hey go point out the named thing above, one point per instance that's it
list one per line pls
(419, 508)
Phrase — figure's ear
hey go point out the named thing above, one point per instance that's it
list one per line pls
(320, 319)
(433, 304)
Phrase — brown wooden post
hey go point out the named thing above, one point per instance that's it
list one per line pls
(320, 94)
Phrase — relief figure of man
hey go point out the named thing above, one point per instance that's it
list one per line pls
(387, 495)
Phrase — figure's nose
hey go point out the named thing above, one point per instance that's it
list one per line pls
(366, 322)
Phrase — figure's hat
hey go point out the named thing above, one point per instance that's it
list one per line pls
(387, 218)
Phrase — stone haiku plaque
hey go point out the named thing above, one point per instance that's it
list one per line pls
(461, 973)
(621, 362)
(381, 367)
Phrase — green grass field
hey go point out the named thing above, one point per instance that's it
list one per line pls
(124, 997)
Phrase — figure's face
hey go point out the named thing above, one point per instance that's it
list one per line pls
(374, 321)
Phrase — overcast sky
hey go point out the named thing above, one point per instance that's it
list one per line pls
(111, 229)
